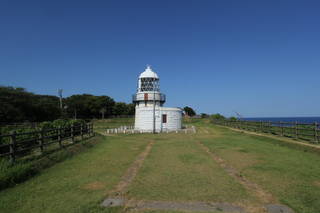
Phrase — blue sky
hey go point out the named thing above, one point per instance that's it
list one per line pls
(260, 58)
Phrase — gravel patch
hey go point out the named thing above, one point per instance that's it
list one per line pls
(192, 206)
(112, 202)
(278, 208)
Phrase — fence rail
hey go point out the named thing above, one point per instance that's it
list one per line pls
(22, 144)
(304, 131)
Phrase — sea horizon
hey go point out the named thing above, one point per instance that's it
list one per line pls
(299, 119)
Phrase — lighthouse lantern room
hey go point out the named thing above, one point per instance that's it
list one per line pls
(150, 115)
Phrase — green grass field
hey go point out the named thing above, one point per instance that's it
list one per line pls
(100, 125)
(176, 169)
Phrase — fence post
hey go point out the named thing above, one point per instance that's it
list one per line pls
(316, 132)
(91, 129)
(59, 137)
(296, 129)
(281, 125)
(81, 131)
(72, 133)
(270, 130)
(13, 146)
(41, 140)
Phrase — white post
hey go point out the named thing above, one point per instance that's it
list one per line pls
(154, 109)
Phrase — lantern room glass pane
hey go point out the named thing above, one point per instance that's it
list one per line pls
(149, 84)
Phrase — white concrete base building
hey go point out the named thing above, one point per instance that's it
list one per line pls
(150, 115)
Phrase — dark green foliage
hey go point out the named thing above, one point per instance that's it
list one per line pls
(3, 131)
(60, 123)
(204, 115)
(46, 125)
(189, 111)
(88, 106)
(18, 105)
(121, 108)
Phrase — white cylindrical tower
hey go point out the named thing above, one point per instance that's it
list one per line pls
(150, 115)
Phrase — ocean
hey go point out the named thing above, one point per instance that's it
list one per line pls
(287, 119)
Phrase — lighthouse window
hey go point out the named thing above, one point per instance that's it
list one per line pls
(149, 84)
(164, 118)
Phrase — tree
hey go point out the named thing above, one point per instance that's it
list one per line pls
(217, 116)
(18, 105)
(120, 108)
(131, 109)
(189, 111)
(204, 115)
(233, 118)
(102, 111)
(89, 106)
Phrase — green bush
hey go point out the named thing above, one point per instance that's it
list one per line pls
(217, 117)
(31, 140)
(45, 125)
(60, 123)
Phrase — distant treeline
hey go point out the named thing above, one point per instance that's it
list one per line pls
(19, 105)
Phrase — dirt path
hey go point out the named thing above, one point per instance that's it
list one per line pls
(117, 197)
(131, 173)
(184, 206)
(262, 195)
(269, 202)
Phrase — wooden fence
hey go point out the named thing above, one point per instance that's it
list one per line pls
(304, 131)
(25, 143)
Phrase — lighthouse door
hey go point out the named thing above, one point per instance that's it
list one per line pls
(145, 99)
(164, 118)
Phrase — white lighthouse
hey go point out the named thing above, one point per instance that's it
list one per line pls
(151, 116)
